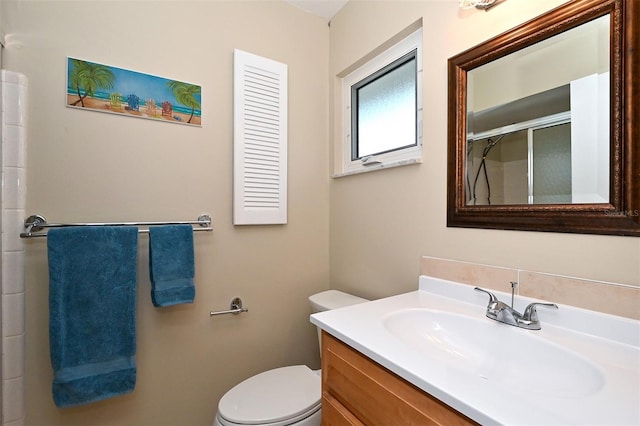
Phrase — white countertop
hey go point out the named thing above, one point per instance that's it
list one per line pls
(611, 344)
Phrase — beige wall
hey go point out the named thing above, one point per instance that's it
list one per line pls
(383, 222)
(89, 166)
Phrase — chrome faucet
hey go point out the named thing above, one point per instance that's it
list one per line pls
(500, 311)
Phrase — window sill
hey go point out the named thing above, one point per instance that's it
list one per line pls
(381, 166)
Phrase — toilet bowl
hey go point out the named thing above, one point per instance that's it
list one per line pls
(283, 396)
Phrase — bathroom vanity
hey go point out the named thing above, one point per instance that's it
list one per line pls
(432, 357)
(357, 390)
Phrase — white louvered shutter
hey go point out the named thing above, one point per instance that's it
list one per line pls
(260, 140)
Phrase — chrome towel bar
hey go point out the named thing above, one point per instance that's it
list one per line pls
(36, 223)
(235, 308)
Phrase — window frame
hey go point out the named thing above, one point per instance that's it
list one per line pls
(372, 69)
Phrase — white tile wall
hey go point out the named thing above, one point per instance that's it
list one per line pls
(13, 172)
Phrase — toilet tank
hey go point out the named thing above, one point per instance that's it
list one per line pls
(332, 299)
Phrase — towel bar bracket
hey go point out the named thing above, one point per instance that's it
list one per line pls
(204, 220)
(235, 308)
(34, 223)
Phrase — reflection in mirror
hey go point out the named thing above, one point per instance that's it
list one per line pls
(530, 166)
(538, 122)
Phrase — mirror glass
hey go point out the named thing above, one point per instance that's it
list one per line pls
(538, 122)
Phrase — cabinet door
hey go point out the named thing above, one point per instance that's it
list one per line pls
(353, 383)
(336, 414)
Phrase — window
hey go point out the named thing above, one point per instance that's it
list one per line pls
(382, 109)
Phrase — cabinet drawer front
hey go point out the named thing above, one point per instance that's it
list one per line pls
(375, 395)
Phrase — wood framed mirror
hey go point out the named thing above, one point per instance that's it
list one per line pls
(590, 182)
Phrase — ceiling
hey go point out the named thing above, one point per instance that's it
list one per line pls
(323, 8)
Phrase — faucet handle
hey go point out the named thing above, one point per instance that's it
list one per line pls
(530, 313)
(495, 306)
(492, 297)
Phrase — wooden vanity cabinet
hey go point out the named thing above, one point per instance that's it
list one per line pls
(358, 391)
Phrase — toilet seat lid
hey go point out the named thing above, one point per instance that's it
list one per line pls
(272, 396)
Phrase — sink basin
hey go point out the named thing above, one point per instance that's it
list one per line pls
(488, 350)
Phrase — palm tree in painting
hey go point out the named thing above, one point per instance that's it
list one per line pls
(185, 94)
(88, 77)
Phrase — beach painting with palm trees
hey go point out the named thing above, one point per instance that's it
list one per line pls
(105, 88)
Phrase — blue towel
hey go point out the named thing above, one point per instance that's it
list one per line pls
(171, 264)
(92, 316)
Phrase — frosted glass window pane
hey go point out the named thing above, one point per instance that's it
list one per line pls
(386, 112)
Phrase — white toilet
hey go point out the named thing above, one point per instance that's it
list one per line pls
(282, 396)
